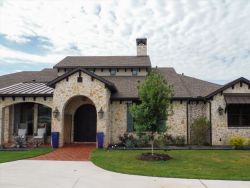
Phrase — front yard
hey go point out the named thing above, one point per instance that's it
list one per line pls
(201, 164)
(6, 156)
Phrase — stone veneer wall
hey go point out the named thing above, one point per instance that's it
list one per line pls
(93, 89)
(118, 120)
(196, 109)
(220, 129)
(177, 120)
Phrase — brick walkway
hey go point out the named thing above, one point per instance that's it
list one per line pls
(72, 152)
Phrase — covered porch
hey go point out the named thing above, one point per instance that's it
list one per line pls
(28, 116)
(26, 106)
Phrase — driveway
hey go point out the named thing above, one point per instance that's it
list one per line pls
(84, 174)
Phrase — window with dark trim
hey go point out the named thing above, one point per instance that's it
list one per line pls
(238, 115)
(44, 118)
(130, 126)
(113, 72)
(135, 72)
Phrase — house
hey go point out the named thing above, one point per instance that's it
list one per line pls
(84, 95)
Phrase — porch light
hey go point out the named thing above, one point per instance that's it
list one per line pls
(100, 113)
(56, 113)
(220, 110)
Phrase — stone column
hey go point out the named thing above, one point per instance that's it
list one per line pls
(1, 126)
(6, 124)
(35, 118)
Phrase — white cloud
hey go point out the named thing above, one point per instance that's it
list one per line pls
(206, 39)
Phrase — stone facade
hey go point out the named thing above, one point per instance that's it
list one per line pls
(196, 109)
(93, 90)
(141, 50)
(177, 120)
(118, 120)
(221, 133)
(68, 95)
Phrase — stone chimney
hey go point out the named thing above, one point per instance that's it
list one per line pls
(141, 45)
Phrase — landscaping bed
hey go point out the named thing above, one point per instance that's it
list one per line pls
(199, 164)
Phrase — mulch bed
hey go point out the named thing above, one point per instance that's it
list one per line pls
(154, 157)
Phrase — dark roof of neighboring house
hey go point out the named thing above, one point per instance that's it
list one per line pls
(228, 85)
(44, 75)
(104, 62)
(27, 89)
(126, 86)
(110, 85)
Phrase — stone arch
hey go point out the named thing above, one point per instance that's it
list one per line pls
(91, 88)
(68, 112)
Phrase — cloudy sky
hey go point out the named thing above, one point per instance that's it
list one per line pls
(206, 39)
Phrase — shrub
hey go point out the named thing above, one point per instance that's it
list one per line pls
(168, 140)
(248, 142)
(179, 140)
(128, 140)
(142, 141)
(237, 142)
(200, 131)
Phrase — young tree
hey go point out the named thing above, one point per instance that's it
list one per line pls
(152, 112)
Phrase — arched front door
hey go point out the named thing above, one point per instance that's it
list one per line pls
(85, 124)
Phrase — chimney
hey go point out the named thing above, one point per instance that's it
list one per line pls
(141, 45)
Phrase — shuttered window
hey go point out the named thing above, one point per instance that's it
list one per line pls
(130, 127)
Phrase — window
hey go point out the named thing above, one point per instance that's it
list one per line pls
(130, 126)
(91, 70)
(135, 72)
(238, 115)
(44, 117)
(113, 72)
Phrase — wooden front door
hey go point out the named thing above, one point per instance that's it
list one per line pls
(85, 124)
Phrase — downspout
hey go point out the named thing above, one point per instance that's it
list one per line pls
(210, 120)
(187, 123)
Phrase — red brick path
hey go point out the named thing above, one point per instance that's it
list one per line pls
(72, 152)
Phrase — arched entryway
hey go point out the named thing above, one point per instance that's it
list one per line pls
(85, 124)
(80, 120)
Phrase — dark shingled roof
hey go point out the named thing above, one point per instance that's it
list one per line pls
(104, 62)
(126, 86)
(44, 75)
(185, 86)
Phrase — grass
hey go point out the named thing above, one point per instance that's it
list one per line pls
(6, 156)
(203, 164)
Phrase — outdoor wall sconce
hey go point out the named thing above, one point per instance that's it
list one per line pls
(56, 113)
(100, 113)
(220, 110)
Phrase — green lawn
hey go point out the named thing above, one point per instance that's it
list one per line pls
(6, 156)
(204, 164)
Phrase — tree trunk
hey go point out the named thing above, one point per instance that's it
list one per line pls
(152, 147)
(152, 144)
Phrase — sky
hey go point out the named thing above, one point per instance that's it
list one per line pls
(206, 39)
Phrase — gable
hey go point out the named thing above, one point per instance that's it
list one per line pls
(81, 71)
(230, 86)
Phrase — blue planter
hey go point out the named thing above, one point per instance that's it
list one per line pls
(100, 138)
(54, 140)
